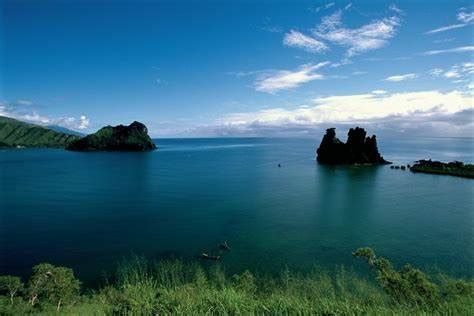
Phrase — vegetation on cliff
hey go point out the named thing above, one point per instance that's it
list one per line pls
(358, 149)
(14, 133)
(116, 138)
(455, 168)
(173, 287)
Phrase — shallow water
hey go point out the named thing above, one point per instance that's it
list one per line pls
(89, 210)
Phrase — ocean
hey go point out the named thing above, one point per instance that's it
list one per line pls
(88, 211)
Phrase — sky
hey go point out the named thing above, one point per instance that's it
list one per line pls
(240, 68)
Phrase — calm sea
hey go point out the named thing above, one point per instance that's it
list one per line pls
(89, 210)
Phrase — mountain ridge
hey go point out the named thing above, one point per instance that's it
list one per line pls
(16, 133)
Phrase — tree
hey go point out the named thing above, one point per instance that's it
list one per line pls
(407, 286)
(11, 285)
(56, 285)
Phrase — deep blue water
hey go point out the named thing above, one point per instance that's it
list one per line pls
(89, 210)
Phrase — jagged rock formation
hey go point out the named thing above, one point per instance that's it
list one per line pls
(358, 149)
(455, 168)
(116, 138)
(14, 133)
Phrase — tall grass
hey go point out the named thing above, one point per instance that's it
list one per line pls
(142, 287)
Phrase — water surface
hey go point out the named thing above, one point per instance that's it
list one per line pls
(88, 210)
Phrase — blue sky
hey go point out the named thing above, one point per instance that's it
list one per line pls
(215, 68)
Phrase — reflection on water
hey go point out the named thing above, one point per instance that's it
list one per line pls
(88, 210)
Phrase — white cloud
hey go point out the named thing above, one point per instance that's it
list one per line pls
(83, 122)
(393, 7)
(444, 40)
(323, 7)
(368, 37)
(285, 79)
(460, 49)
(24, 102)
(452, 74)
(297, 39)
(413, 108)
(466, 18)
(446, 28)
(17, 111)
(463, 71)
(436, 72)
(379, 92)
(398, 78)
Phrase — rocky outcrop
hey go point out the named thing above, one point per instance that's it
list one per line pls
(454, 168)
(116, 138)
(358, 149)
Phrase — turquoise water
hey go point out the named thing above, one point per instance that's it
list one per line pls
(89, 210)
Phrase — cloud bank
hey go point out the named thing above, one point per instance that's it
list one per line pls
(331, 30)
(23, 110)
(435, 112)
(367, 37)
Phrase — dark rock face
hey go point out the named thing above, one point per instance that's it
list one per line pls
(358, 149)
(116, 138)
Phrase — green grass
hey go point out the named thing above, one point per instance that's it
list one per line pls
(141, 287)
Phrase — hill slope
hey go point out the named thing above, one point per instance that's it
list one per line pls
(16, 133)
(64, 130)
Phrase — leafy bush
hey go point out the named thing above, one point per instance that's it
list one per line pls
(10, 285)
(54, 285)
(408, 286)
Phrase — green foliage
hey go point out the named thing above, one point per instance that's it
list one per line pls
(16, 133)
(116, 138)
(10, 285)
(54, 285)
(454, 168)
(174, 287)
(409, 286)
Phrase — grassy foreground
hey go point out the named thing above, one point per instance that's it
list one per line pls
(172, 287)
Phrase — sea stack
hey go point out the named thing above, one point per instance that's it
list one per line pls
(116, 138)
(358, 149)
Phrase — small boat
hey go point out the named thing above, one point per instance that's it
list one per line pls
(209, 257)
(224, 246)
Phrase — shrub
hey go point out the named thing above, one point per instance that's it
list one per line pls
(409, 286)
(56, 285)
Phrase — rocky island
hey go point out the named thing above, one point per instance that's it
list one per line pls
(116, 138)
(455, 168)
(358, 149)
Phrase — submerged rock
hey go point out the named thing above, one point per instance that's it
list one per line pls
(358, 149)
(116, 138)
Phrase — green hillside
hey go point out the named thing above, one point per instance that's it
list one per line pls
(16, 133)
